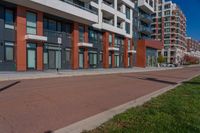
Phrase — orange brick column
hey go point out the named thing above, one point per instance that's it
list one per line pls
(105, 50)
(86, 49)
(141, 54)
(113, 53)
(20, 41)
(126, 52)
(40, 44)
(75, 35)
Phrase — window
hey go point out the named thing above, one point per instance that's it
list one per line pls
(167, 6)
(9, 51)
(68, 55)
(127, 28)
(110, 39)
(160, 8)
(59, 26)
(165, 53)
(45, 23)
(160, 14)
(52, 25)
(9, 19)
(31, 24)
(101, 56)
(167, 12)
(45, 60)
(167, 30)
(167, 24)
(81, 34)
(128, 13)
(129, 44)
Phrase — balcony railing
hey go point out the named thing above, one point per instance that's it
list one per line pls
(108, 21)
(79, 6)
(146, 17)
(145, 29)
(108, 4)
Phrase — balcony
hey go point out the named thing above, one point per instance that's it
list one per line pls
(146, 5)
(146, 18)
(108, 7)
(145, 29)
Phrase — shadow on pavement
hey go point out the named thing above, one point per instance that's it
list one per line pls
(150, 79)
(191, 82)
(160, 81)
(9, 85)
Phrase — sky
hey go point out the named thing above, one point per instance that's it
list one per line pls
(191, 9)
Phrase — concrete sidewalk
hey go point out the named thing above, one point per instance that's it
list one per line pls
(5, 76)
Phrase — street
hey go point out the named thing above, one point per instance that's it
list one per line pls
(41, 105)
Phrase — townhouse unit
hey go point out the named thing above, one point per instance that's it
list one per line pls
(69, 34)
(169, 26)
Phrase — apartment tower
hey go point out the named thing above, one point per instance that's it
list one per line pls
(169, 26)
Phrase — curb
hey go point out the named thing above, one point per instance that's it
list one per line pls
(96, 120)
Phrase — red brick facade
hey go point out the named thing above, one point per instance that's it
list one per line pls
(21, 44)
(141, 50)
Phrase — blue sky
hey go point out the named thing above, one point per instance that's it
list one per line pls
(191, 9)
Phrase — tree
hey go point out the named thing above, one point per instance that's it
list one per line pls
(161, 59)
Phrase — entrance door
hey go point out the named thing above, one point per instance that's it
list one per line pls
(31, 59)
(110, 60)
(81, 60)
(31, 56)
(52, 59)
(58, 59)
(129, 61)
(116, 60)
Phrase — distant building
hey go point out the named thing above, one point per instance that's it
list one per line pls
(169, 26)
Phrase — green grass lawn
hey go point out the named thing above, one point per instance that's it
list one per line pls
(177, 111)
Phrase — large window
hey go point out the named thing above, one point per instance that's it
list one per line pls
(127, 28)
(81, 34)
(129, 44)
(93, 59)
(128, 13)
(52, 25)
(31, 24)
(9, 19)
(9, 51)
(110, 40)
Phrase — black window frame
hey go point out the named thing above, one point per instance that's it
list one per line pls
(13, 15)
(31, 26)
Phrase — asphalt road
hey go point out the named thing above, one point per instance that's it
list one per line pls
(41, 105)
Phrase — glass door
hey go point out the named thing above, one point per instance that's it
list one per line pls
(81, 60)
(116, 60)
(31, 56)
(52, 59)
(93, 59)
(31, 59)
(129, 60)
(58, 59)
(110, 60)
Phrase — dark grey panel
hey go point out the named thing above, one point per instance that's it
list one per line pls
(7, 66)
(9, 35)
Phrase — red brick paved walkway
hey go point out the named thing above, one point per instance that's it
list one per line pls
(36, 106)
